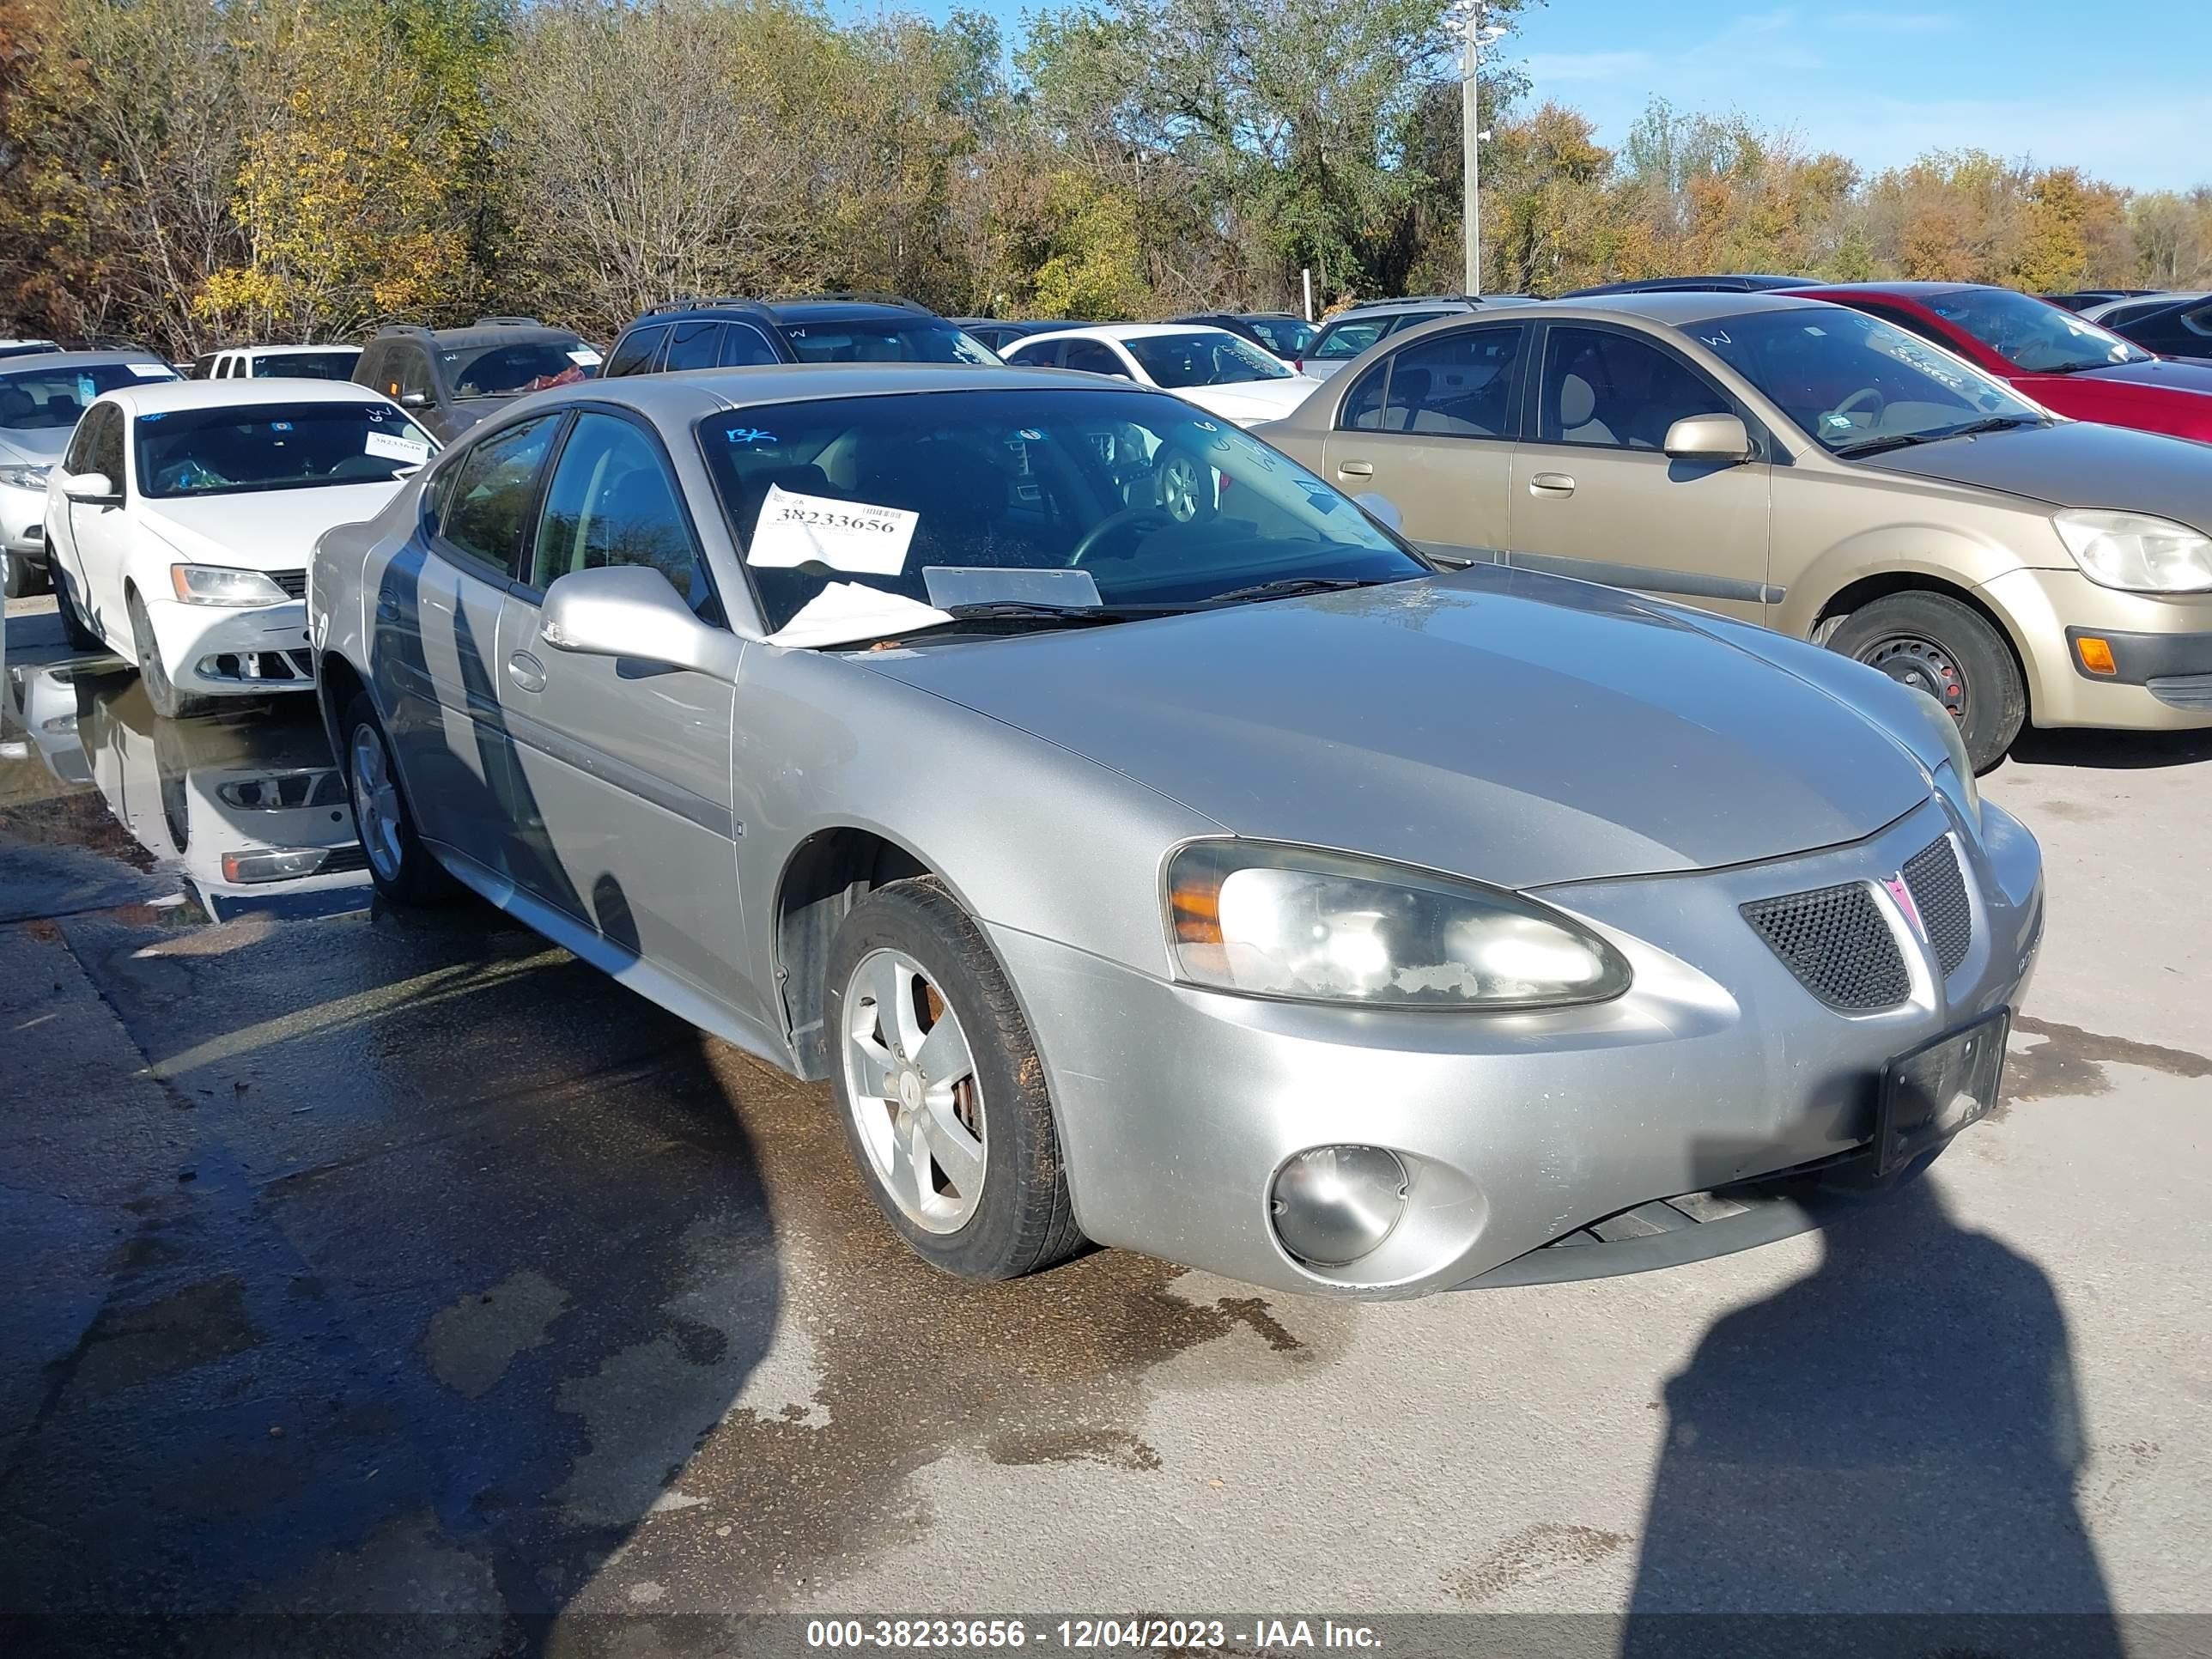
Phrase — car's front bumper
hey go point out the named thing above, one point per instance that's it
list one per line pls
(23, 523)
(1176, 1106)
(234, 651)
(2161, 646)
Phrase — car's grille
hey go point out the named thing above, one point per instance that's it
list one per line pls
(1835, 940)
(294, 582)
(1939, 892)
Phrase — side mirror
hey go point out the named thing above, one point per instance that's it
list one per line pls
(1708, 438)
(630, 611)
(1381, 508)
(414, 400)
(93, 489)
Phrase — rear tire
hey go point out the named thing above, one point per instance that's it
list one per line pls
(1950, 651)
(169, 702)
(909, 942)
(74, 628)
(403, 869)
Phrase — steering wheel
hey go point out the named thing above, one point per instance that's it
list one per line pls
(1882, 403)
(1113, 524)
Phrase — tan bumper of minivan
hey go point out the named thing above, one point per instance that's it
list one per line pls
(2158, 648)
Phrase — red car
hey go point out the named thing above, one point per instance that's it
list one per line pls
(2048, 354)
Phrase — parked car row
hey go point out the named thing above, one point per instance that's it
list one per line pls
(1206, 840)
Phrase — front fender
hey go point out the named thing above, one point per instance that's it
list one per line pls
(1946, 552)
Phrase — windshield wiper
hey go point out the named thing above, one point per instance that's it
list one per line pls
(1031, 611)
(1289, 586)
(1905, 439)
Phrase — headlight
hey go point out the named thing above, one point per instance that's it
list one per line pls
(216, 584)
(24, 477)
(1286, 921)
(2135, 551)
(1955, 777)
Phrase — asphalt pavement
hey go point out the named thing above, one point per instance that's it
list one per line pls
(363, 1262)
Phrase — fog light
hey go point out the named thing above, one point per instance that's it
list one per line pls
(1334, 1204)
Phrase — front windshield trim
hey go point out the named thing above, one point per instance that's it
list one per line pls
(764, 625)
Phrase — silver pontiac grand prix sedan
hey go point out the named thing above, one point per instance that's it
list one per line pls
(1150, 848)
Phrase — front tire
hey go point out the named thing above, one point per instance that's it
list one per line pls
(162, 692)
(401, 868)
(1950, 651)
(18, 577)
(940, 1089)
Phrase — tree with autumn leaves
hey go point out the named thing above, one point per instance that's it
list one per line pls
(189, 172)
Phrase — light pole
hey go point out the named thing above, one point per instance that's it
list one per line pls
(1464, 20)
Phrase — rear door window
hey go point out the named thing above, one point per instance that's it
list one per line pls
(693, 345)
(635, 352)
(488, 502)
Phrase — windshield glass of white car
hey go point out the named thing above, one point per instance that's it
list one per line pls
(1213, 358)
(50, 400)
(214, 452)
(1858, 386)
(1159, 502)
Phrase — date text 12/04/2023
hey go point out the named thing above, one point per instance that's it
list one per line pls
(1081, 1635)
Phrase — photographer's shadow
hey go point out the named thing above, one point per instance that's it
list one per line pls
(1897, 1433)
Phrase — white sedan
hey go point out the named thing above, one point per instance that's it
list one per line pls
(1212, 368)
(180, 522)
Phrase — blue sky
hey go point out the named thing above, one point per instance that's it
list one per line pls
(2123, 90)
(2062, 83)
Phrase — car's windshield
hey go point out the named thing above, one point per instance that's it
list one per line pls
(2032, 334)
(1207, 357)
(857, 502)
(52, 399)
(867, 340)
(1353, 336)
(509, 370)
(1846, 379)
(228, 452)
(1286, 337)
(305, 365)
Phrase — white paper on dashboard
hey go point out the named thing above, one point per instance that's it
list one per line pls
(393, 447)
(795, 529)
(151, 371)
(584, 356)
(845, 611)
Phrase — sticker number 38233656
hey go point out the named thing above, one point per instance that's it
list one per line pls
(856, 536)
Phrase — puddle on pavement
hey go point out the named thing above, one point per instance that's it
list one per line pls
(103, 803)
(2069, 1062)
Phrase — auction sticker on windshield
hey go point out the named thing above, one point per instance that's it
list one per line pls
(394, 448)
(795, 529)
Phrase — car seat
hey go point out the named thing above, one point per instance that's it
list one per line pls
(1577, 413)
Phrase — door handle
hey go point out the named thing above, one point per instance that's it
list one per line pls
(387, 608)
(1551, 483)
(526, 671)
(1355, 469)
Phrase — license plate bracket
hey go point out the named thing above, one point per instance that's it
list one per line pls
(1928, 1095)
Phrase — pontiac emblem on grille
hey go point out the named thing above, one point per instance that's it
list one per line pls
(1903, 895)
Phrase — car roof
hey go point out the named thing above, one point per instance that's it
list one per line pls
(692, 394)
(166, 397)
(292, 350)
(1729, 282)
(480, 334)
(1674, 307)
(82, 360)
(1132, 330)
(847, 311)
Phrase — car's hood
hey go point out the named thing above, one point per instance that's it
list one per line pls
(2163, 373)
(261, 530)
(1508, 725)
(2073, 463)
(32, 446)
(1246, 401)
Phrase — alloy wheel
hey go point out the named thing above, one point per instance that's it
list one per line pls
(1179, 486)
(915, 1098)
(376, 804)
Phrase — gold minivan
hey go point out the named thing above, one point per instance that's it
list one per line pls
(1803, 466)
